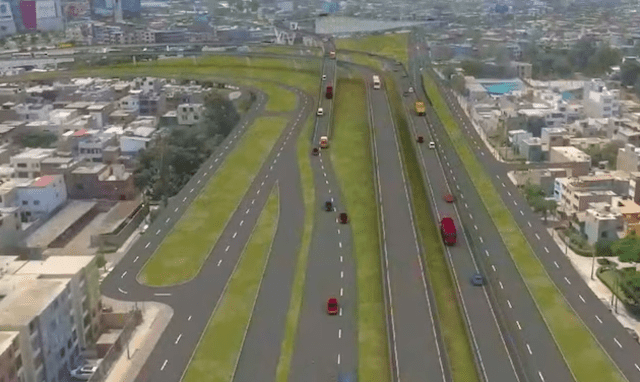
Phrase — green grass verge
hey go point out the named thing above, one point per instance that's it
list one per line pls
(362, 59)
(218, 350)
(185, 249)
(280, 100)
(584, 355)
(389, 45)
(351, 156)
(297, 291)
(290, 50)
(452, 325)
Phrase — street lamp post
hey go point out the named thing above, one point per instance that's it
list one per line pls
(593, 261)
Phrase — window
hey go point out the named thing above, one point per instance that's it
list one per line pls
(25, 202)
(62, 352)
(22, 165)
(36, 202)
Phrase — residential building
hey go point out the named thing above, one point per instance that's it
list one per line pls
(148, 84)
(628, 158)
(10, 228)
(600, 102)
(33, 112)
(554, 136)
(27, 163)
(522, 69)
(575, 193)
(91, 148)
(10, 357)
(579, 162)
(41, 311)
(531, 149)
(130, 102)
(630, 211)
(152, 103)
(132, 145)
(602, 223)
(189, 114)
(82, 272)
(101, 181)
(39, 197)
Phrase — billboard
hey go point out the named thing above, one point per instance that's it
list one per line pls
(28, 12)
(45, 9)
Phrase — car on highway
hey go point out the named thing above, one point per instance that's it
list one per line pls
(320, 112)
(315, 151)
(324, 142)
(449, 198)
(410, 89)
(478, 280)
(324, 77)
(84, 372)
(420, 139)
(332, 306)
(448, 231)
(344, 219)
(432, 145)
(328, 206)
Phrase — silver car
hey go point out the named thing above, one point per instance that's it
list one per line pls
(84, 372)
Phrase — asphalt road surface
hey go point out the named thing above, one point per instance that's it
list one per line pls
(416, 351)
(326, 346)
(607, 330)
(520, 336)
(193, 308)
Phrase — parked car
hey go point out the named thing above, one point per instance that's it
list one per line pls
(344, 219)
(328, 205)
(84, 372)
(478, 280)
(420, 139)
(332, 306)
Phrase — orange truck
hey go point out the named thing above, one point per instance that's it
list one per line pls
(420, 108)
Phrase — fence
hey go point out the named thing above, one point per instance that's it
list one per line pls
(120, 345)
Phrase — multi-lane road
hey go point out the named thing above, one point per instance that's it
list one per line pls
(520, 309)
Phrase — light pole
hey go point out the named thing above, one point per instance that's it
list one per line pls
(593, 261)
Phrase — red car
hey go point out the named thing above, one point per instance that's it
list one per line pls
(332, 306)
(344, 219)
(449, 198)
(420, 139)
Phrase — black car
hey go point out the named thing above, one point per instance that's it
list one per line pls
(328, 205)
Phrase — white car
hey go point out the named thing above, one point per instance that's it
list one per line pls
(324, 77)
(84, 372)
(432, 145)
(411, 89)
(320, 111)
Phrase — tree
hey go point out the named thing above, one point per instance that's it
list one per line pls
(38, 139)
(100, 261)
(608, 152)
(603, 248)
(582, 52)
(628, 248)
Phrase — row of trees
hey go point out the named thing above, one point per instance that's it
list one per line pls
(167, 166)
(536, 198)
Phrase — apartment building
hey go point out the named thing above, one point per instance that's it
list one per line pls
(189, 114)
(27, 163)
(579, 162)
(630, 211)
(41, 311)
(600, 102)
(10, 357)
(101, 181)
(91, 148)
(554, 136)
(601, 222)
(574, 194)
(628, 158)
(82, 272)
(152, 103)
(39, 197)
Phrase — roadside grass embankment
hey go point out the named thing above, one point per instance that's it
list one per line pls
(585, 357)
(388, 45)
(299, 280)
(451, 322)
(352, 159)
(218, 350)
(185, 249)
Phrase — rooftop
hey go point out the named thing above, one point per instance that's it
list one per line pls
(25, 299)
(56, 265)
(89, 168)
(58, 223)
(6, 340)
(43, 181)
(34, 154)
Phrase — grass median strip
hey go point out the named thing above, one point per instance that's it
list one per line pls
(351, 156)
(585, 357)
(217, 352)
(297, 291)
(185, 249)
(451, 323)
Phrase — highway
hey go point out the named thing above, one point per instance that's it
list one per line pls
(326, 346)
(193, 308)
(416, 352)
(525, 339)
(608, 331)
(520, 306)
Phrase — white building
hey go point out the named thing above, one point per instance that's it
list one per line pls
(130, 103)
(189, 114)
(93, 147)
(38, 198)
(33, 112)
(600, 102)
(602, 223)
(27, 164)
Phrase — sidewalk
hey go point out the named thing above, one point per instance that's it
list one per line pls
(155, 318)
(583, 266)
